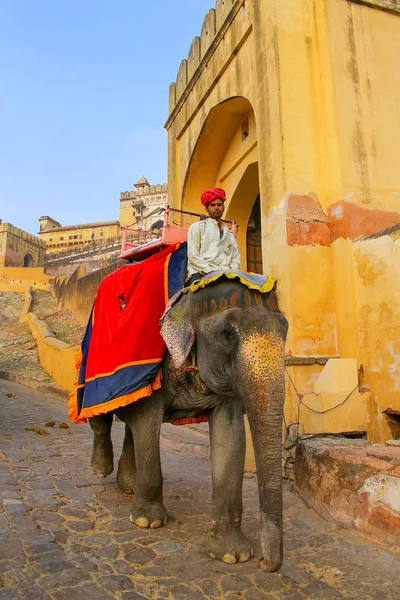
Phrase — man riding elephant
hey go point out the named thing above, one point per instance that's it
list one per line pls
(211, 245)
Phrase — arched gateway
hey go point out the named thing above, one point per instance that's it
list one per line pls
(28, 260)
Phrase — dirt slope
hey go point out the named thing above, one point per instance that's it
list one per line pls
(18, 353)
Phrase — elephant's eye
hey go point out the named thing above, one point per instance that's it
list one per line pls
(227, 334)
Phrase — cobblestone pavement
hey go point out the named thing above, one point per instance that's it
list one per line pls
(66, 535)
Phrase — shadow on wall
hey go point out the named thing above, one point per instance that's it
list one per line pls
(78, 291)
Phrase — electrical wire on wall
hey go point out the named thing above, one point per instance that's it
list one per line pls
(300, 397)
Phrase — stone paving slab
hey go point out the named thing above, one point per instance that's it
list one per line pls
(66, 535)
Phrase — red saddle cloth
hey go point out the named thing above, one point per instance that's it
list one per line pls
(122, 350)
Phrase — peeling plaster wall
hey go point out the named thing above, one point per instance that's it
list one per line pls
(384, 489)
(377, 290)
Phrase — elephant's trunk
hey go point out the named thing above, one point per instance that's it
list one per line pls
(262, 388)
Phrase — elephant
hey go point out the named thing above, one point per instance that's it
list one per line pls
(225, 356)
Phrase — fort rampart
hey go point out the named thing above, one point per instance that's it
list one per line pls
(18, 279)
(19, 248)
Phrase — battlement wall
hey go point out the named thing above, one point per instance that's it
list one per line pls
(216, 24)
(216, 21)
(65, 228)
(145, 190)
(7, 228)
(19, 248)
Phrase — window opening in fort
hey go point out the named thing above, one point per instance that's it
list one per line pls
(28, 260)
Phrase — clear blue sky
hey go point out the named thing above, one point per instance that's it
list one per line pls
(83, 100)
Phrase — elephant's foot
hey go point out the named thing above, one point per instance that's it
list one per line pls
(102, 459)
(230, 546)
(126, 474)
(148, 514)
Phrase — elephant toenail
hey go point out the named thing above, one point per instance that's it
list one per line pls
(229, 558)
(155, 524)
(142, 522)
(211, 555)
(244, 557)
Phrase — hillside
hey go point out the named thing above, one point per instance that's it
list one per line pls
(18, 353)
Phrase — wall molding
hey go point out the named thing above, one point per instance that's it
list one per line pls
(392, 6)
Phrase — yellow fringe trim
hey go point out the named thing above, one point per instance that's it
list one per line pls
(266, 287)
(122, 401)
(73, 399)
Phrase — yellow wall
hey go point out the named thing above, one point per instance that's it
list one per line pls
(20, 278)
(126, 213)
(364, 44)
(319, 85)
(377, 289)
(56, 357)
(58, 240)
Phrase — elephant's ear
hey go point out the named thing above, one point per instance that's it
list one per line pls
(178, 332)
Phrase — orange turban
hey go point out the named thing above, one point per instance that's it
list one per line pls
(212, 194)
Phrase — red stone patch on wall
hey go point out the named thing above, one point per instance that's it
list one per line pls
(349, 220)
(307, 224)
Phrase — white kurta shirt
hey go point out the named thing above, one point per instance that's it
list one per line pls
(208, 252)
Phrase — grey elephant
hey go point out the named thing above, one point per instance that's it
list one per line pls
(237, 336)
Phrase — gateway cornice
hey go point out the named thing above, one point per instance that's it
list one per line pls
(392, 6)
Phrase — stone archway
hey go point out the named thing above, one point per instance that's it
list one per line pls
(225, 155)
(28, 260)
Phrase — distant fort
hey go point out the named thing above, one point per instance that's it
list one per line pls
(140, 207)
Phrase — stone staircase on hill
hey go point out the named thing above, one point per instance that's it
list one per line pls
(76, 253)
